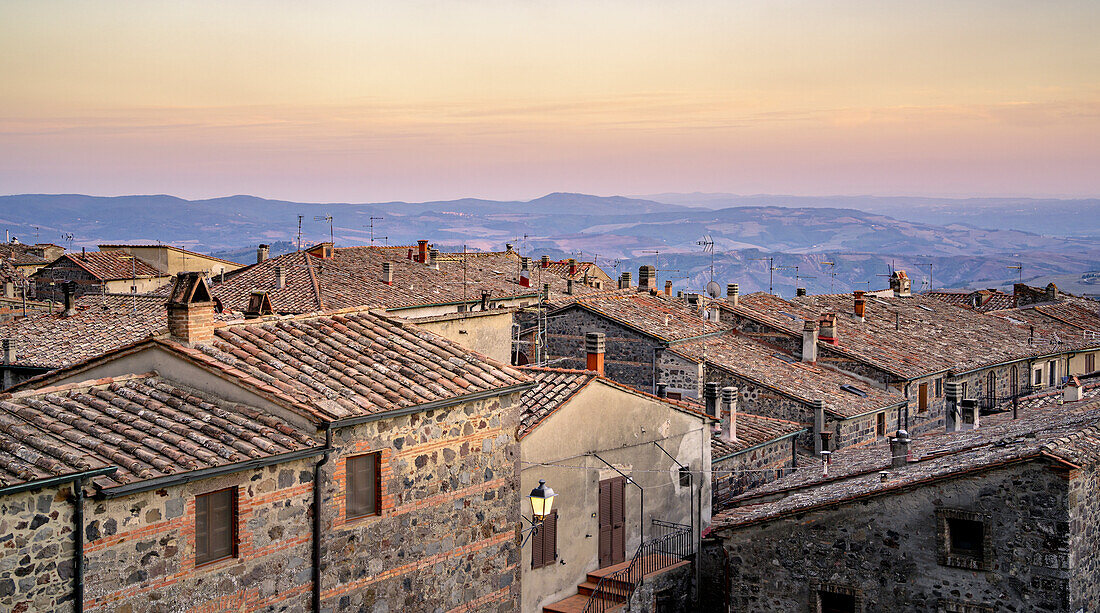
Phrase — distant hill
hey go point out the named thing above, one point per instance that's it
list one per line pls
(620, 231)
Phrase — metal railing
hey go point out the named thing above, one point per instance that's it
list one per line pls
(672, 544)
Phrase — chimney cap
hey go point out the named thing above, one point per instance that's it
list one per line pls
(190, 288)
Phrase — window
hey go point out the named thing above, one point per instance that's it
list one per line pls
(1038, 376)
(922, 395)
(1090, 362)
(832, 602)
(216, 526)
(964, 539)
(685, 476)
(880, 424)
(544, 544)
(834, 598)
(363, 485)
(939, 387)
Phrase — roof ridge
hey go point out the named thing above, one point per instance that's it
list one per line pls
(77, 384)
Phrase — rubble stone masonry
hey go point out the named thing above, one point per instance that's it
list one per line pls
(36, 551)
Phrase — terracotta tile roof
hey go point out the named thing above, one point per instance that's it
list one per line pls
(18, 254)
(556, 386)
(146, 425)
(667, 319)
(101, 324)
(776, 370)
(910, 337)
(1069, 433)
(982, 300)
(753, 430)
(504, 267)
(113, 265)
(349, 365)
(353, 278)
(9, 274)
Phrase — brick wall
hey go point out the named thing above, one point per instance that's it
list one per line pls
(36, 551)
(445, 538)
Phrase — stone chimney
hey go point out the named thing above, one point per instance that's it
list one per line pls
(668, 288)
(951, 392)
(259, 305)
(280, 277)
(821, 437)
(968, 407)
(1073, 391)
(569, 287)
(262, 252)
(624, 281)
(9, 351)
(662, 390)
(733, 294)
(899, 449)
(729, 400)
(69, 289)
(710, 397)
(647, 278)
(433, 258)
(809, 341)
(799, 291)
(191, 309)
(900, 283)
(387, 273)
(546, 291)
(594, 346)
(545, 261)
(525, 271)
(828, 329)
(860, 305)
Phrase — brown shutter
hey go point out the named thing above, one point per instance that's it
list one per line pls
(605, 524)
(215, 525)
(922, 395)
(550, 539)
(536, 551)
(618, 518)
(362, 485)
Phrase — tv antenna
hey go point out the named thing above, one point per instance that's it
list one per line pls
(831, 273)
(372, 220)
(1020, 267)
(707, 243)
(67, 237)
(327, 218)
(771, 270)
(299, 233)
(36, 229)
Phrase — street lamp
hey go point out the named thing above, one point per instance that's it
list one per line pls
(542, 501)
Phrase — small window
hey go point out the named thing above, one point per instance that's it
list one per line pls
(832, 602)
(1038, 376)
(1090, 362)
(939, 387)
(964, 539)
(835, 598)
(685, 476)
(216, 526)
(544, 544)
(363, 485)
(880, 424)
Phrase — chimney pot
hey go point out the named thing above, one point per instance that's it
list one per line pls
(545, 261)
(899, 449)
(729, 399)
(710, 396)
(1073, 390)
(662, 390)
(821, 438)
(733, 294)
(860, 310)
(191, 309)
(594, 346)
(262, 252)
(647, 278)
(525, 272)
(280, 277)
(569, 287)
(828, 329)
(546, 291)
(9, 351)
(799, 291)
(422, 251)
(809, 341)
(624, 281)
(433, 258)
(508, 247)
(572, 266)
(68, 288)
(387, 273)
(668, 288)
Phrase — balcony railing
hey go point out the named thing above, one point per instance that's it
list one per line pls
(672, 544)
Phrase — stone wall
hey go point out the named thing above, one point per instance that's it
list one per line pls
(736, 474)
(140, 549)
(886, 550)
(446, 533)
(36, 551)
(680, 375)
(630, 356)
(1084, 541)
(49, 278)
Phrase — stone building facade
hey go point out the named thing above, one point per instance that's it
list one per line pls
(36, 556)
(631, 355)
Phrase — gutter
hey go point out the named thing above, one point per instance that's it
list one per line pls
(206, 473)
(317, 496)
(460, 302)
(52, 481)
(428, 406)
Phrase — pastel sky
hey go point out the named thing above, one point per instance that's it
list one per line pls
(411, 100)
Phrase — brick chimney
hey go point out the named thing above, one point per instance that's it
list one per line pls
(262, 252)
(733, 294)
(594, 347)
(729, 400)
(860, 305)
(828, 329)
(422, 251)
(545, 261)
(572, 266)
(525, 271)
(710, 398)
(280, 277)
(9, 351)
(624, 281)
(668, 288)
(1073, 391)
(387, 273)
(647, 278)
(68, 288)
(899, 449)
(191, 309)
(809, 341)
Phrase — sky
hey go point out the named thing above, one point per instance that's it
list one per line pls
(411, 100)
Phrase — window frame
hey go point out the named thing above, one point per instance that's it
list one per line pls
(880, 423)
(234, 517)
(983, 560)
(348, 513)
(817, 588)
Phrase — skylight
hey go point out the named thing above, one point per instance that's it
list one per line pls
(786, 358)
(851, 389)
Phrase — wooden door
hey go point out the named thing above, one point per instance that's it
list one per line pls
(922, 397)
(612, 521)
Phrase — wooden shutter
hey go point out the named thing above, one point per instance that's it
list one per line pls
(544, 545)
(605, 524)
(361, 497)
(618, 519)
(215, 525)
(922, 395)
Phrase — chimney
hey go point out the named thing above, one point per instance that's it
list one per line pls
(387, 273)
(83, 254)
(899, 449)
(422, 251)
(900, 283)
(828, 329)
(799, 291)
(9, 351)
(525, 272)
(662, 390)
(821, 437)
(668, 288)
(951, 390)
(9, 289)
(69, 289)
(647, 278)
(569, 287)
(409, 255)
(624, 281)
(970, 413)
(572, 266)
(262, 252)
(809, 341)
(259, 305)
(594, 346)
(860, 305)
(485, 299)
(280, 277)
(191, 309)
(546, 292)
(729, 400)
(710, 397)
(508, 247)
(733, 294)
(545, 261)
(1073, 391)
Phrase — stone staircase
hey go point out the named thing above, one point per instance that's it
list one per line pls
(577, 602)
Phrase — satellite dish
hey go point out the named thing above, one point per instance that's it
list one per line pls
(713, 289)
